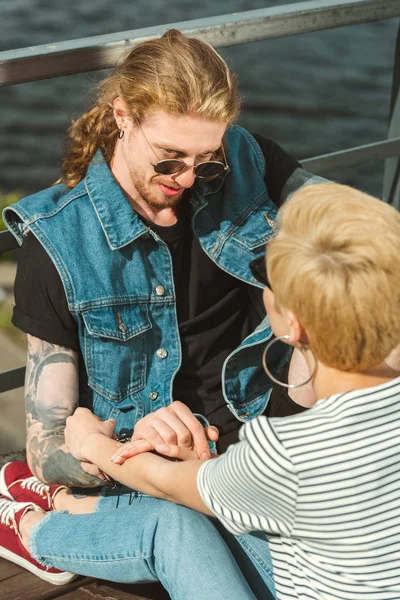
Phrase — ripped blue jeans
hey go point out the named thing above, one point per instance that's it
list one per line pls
(145, 539)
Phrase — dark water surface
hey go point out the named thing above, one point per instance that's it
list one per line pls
(312, 93)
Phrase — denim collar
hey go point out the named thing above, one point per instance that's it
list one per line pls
(119, 221)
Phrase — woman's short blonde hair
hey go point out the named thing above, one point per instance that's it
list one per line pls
(336, 265)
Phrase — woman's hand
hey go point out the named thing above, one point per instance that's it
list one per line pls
(174, 425)
(80, 426)
(136, 447)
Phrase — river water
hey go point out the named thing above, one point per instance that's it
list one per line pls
(312, 93)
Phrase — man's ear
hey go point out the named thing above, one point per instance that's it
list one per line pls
(297, 332)
(120, 111)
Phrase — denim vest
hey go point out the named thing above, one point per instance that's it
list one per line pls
(117, 275)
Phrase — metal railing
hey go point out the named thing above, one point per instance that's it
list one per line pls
(391, 180)
(102, 52)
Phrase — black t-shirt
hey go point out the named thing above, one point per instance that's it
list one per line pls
(214, 310)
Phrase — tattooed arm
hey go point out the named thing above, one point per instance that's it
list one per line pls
(51, 395)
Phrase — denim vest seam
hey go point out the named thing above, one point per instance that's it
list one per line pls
(79, 307)
(112, 333)
(114, 397)
(236, 406)
(257, 150)
(244, 217)
(27, 220)
(260, 242)
(110, 301)
(38, 216)
(11, 225)
(175, 316)
(98, 217)
(224, 236)
(57, 261)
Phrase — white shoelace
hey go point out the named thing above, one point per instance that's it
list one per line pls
(8, 508)
(35, 485)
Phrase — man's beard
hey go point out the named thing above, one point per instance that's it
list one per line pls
(153, 200)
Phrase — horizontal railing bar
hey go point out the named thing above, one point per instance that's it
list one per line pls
(352, 156)
(11, 380)
(101, 52)
(7, 241)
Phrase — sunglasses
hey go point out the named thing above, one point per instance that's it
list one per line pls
(258, 269)
(204, 170)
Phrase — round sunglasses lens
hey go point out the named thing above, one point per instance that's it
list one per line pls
(209, 169)
(169, 166)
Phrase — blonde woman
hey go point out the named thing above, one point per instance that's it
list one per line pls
(323, 485)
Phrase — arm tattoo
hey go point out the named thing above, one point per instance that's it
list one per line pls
(51, 395)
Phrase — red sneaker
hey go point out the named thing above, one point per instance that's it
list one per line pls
(11, 547)
(19, 484)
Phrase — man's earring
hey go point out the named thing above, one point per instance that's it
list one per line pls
(121, 134)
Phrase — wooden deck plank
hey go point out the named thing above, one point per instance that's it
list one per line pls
(26, 586)
(102, 590)
(18, 584)
(8, 569)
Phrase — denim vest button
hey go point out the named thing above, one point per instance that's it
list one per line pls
(160, 290)
(162, 353)
(153, 395)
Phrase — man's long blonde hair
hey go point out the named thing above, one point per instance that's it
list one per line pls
(174, 73)
(336, 265)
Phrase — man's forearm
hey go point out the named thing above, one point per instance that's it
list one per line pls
(51, 395)
(149, 473)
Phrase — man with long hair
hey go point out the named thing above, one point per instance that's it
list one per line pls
(134, 276)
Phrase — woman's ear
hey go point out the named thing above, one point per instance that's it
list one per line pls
(298, 334)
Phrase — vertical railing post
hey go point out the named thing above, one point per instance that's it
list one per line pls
(391, 178)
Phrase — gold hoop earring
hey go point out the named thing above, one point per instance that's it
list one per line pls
(274, 379)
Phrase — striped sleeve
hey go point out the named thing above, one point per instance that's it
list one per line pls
(254, 485)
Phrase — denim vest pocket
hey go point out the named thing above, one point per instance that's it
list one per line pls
(115, 349)
(258, 228)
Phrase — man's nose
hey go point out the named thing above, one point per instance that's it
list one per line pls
(186, 177)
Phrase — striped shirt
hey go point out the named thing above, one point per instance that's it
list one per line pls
(325, 487)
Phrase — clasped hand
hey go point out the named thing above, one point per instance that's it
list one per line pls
(80, 427)
(173, 431)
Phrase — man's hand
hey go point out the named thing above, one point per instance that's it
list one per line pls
(80, 426)
(174, 425)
